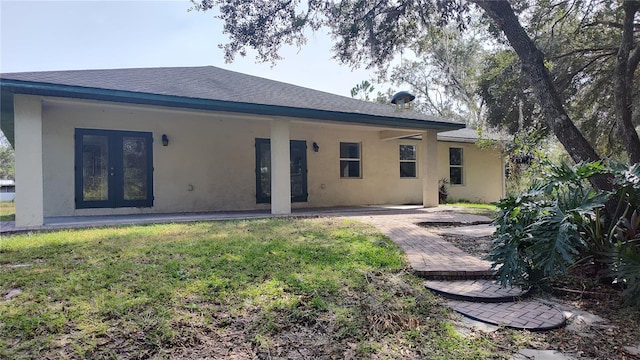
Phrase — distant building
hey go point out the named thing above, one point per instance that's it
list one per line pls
(7, 190)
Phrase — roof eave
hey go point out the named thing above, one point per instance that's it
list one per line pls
(454, 139)
(131, 97)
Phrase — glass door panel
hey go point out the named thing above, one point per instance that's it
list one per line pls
(263, 171)
(298, 162)
(134, 168)
(95, 168)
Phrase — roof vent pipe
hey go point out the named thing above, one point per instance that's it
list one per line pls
(402, 100)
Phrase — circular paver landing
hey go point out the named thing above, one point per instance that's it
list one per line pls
(528, 315)
(476, 290)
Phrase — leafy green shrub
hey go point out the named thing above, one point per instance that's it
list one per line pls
(539, 232)
(624, 259)
(628, 270)
(559, 223)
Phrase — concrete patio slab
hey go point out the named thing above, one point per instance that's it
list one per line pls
(74, 222)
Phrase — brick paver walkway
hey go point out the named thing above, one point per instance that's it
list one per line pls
(461, 274)
(428, 254)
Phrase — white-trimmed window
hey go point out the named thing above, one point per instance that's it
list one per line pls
(408, 162)
(455, 166)
(350, 160)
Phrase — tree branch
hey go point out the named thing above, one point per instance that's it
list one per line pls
(564, 16)
(611, 24)
(609, 51)
(571, 75)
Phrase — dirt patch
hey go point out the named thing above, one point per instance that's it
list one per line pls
(12, 293)
(206, 343)
(478, 247)
(22, 265)
(375, 318)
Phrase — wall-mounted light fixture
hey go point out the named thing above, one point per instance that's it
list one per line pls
(165, 140)
(316, 148)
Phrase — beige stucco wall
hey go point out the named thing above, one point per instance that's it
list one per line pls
(380, 182)
(483, 169)
(214, 155)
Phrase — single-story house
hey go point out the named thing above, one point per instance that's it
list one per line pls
(197, 139)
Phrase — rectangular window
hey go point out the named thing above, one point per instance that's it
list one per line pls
(113, 169)
(408, 163)
(455, 166)
(350, 160)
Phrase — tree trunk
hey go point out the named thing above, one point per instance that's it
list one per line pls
(623, 83)
(501, 12)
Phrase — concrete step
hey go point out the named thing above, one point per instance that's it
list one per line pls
(477, 290)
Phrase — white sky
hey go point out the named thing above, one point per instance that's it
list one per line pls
(76, 35)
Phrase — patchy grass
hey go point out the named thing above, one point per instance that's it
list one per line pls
(278, 288)
(7, 211)
(475, 208)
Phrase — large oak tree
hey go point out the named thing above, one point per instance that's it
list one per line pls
(372, 32)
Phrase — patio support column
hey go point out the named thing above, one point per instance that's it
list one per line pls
(280, 167)
(29, 198)
(428, 159)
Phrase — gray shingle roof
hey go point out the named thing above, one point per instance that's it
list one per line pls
(213, 83)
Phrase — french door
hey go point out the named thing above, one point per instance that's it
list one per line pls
(113, 169)
(298, 168)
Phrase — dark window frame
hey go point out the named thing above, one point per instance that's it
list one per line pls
(456, 166)
(115, 198)
(413, 161)
(350, 159)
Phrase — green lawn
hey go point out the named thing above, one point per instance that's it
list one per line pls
(475, 208)
(312, 288)
(7, 211)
